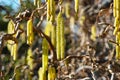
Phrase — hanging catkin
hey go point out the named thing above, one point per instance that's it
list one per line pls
(41, 74)
(51, 73)
(116, 13)
(10, 30)
(30, 34)
(29, 58)
(45, 54)
(50, 10)
(60, 37)
(76, 5)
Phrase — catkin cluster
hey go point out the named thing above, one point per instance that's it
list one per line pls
(116, 14)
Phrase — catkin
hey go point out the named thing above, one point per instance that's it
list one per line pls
(116, 14)
(10, 30)
(35, 2)
(118, 8)
(67, 9)
(116, 24)
(51, 73)
(50, 10)
(53, 36)
(118, 46)
(76, 5)
(60, 37)
(45, 54)
(114, 8)
(14, 51)
(29, 58)
(30, 34)
(58, 47)
(93, 32)
(41, 74)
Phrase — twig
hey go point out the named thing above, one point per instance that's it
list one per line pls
(73, 56)
(37, 10)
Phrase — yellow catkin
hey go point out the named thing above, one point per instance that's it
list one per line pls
(60, 37)
(117, 8)
(35, 2)
(58, 48)
(22, 36)
(67, 9)
(53, 36)
(30, 35)
(14, 51)
(41, 74)
(38, 3)
(116, 13)
(45, 54)
(114, 8)
(82, 19)
(117, 46)
(51, 73)
(93, 32)
(48, 28)
(29, 58)
(10, 30)
(52, 7)
(50, 10)
(116, 24)
(76, 5)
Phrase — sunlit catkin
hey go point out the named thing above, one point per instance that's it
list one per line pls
(116, 24)
(53, 36)
(35, 2)
(14, 51)
(67, 9)
(29, 58)
(93, 32)
(50, 9)
(114, 8)
(51, 73)
(60, 37)
(38, 3)
(118, 46)
(48, 28)
(118, 8)
(76, 5)
(116, 13)
(30, 34)
(44, 54)
(10, 30)
(41, 74)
